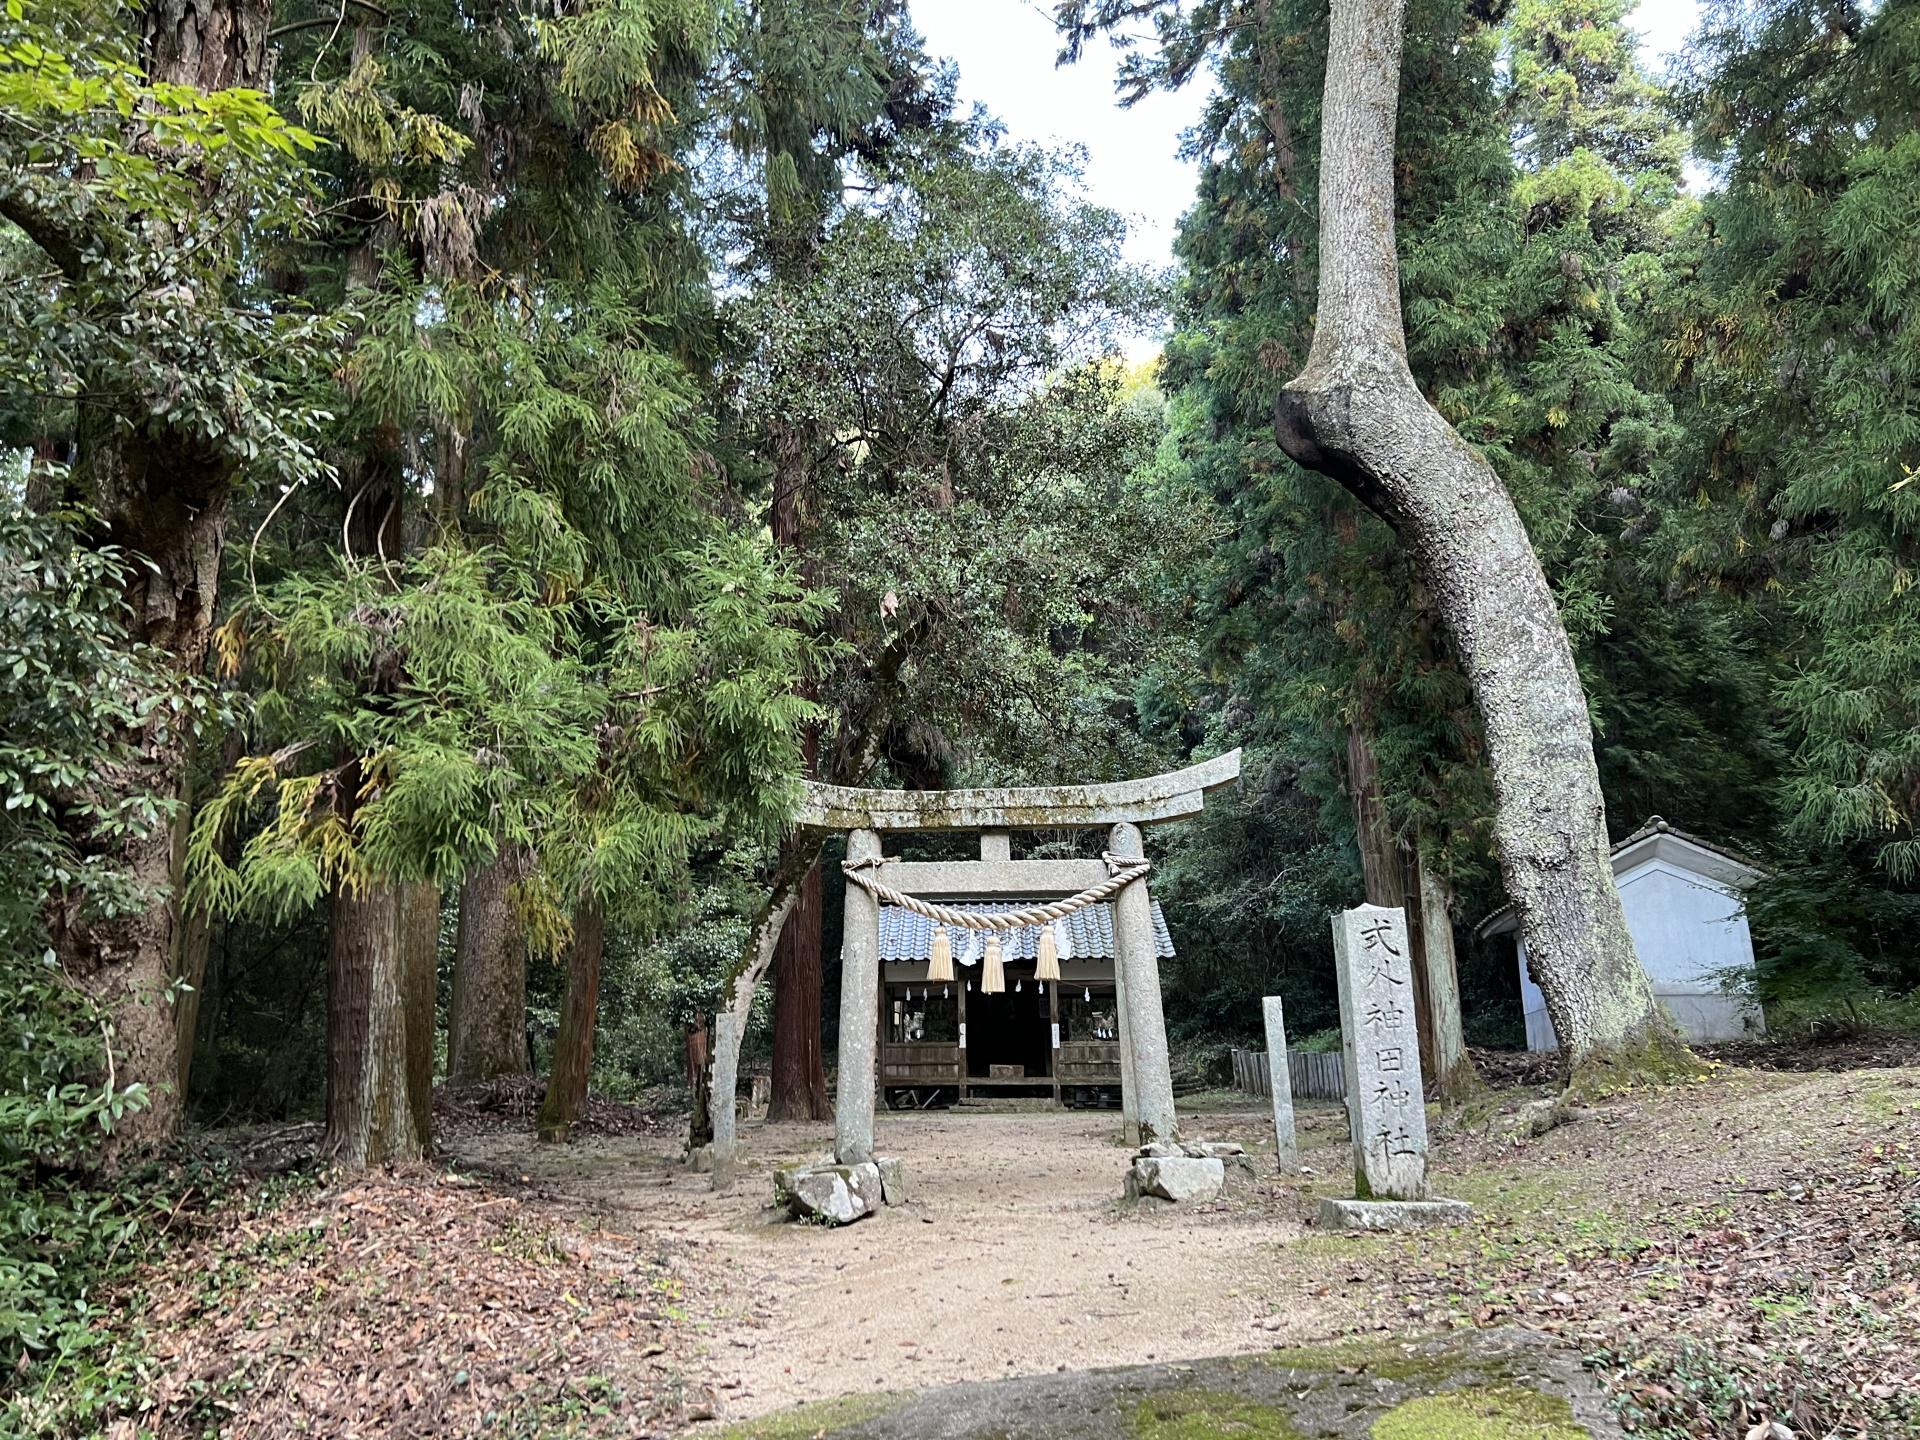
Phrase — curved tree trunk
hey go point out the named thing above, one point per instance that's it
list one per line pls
(487, 1022)
(1356, 415)
(573, 1045)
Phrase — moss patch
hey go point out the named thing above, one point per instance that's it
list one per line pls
(806, 1421)
(1659, 1058)
(1384, 1359)
(1504, 1412)
(1209, 1415)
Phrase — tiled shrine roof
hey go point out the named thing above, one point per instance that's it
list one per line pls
(1085, 935)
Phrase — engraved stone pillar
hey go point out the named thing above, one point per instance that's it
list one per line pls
(859, 1013)
(1285, 1140)
(1386, 1107)
(1145, 1024)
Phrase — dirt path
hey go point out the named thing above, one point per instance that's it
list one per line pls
(1722, 1255)
(1013, 1258)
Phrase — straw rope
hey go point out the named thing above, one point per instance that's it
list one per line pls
(1123, 871)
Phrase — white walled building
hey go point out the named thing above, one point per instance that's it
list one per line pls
(1682, 898)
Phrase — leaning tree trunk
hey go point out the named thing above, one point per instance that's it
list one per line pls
(487, 1026)
(713, 1117)
(573, 1045)
(1356, 415)
(370, 1116)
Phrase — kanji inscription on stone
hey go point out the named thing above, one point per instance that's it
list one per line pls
(1385, 1102)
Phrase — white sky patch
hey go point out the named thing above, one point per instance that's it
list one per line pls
(1005, 51)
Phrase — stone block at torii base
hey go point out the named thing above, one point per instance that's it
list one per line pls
(1386, 1101)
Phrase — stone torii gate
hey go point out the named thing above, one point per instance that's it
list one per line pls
(1146, 1080)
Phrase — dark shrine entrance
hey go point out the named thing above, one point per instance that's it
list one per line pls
(1010, 1035)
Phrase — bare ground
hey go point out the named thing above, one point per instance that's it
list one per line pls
(1739, 1251)
(1014, 1257)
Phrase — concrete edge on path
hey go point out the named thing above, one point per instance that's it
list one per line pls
(1462, 1382)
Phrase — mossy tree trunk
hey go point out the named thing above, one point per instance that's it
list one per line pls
(162, 494)
(1355, 414)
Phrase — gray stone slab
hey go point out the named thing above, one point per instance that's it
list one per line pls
(1286, 1139)
(1179, 1178)
(1337, 1214)
(893, 1179)
(957, 879)
(1386, 1101)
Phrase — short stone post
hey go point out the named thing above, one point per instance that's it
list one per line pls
(859, 1012)
(1145, 1026)
(1286, 1141)
(1386, 1102)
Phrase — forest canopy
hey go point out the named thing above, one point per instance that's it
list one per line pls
(464, 469)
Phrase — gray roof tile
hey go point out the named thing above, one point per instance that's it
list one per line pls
(905, 936)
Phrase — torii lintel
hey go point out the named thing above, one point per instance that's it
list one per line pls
(1174, 795)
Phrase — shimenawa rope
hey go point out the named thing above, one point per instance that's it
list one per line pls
(1123, 871)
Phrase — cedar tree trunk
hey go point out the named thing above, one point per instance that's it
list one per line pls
(487, 1029)
(573, 1045)
(1383, 868)
(370, 1117)
(799, 1067)
(420, 983)
(1356, 415)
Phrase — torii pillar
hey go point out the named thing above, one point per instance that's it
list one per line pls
(1144, 1030)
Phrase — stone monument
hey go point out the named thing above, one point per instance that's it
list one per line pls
(1386, 1099)
(1286, 1141)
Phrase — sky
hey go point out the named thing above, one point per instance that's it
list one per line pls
(1005, 51)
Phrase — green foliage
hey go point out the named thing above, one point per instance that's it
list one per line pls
(976, 484)
(133, 291)
(659, 984)
(73, 693)
(1792, 347)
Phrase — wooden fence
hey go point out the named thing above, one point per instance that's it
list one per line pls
(1314, 1077)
